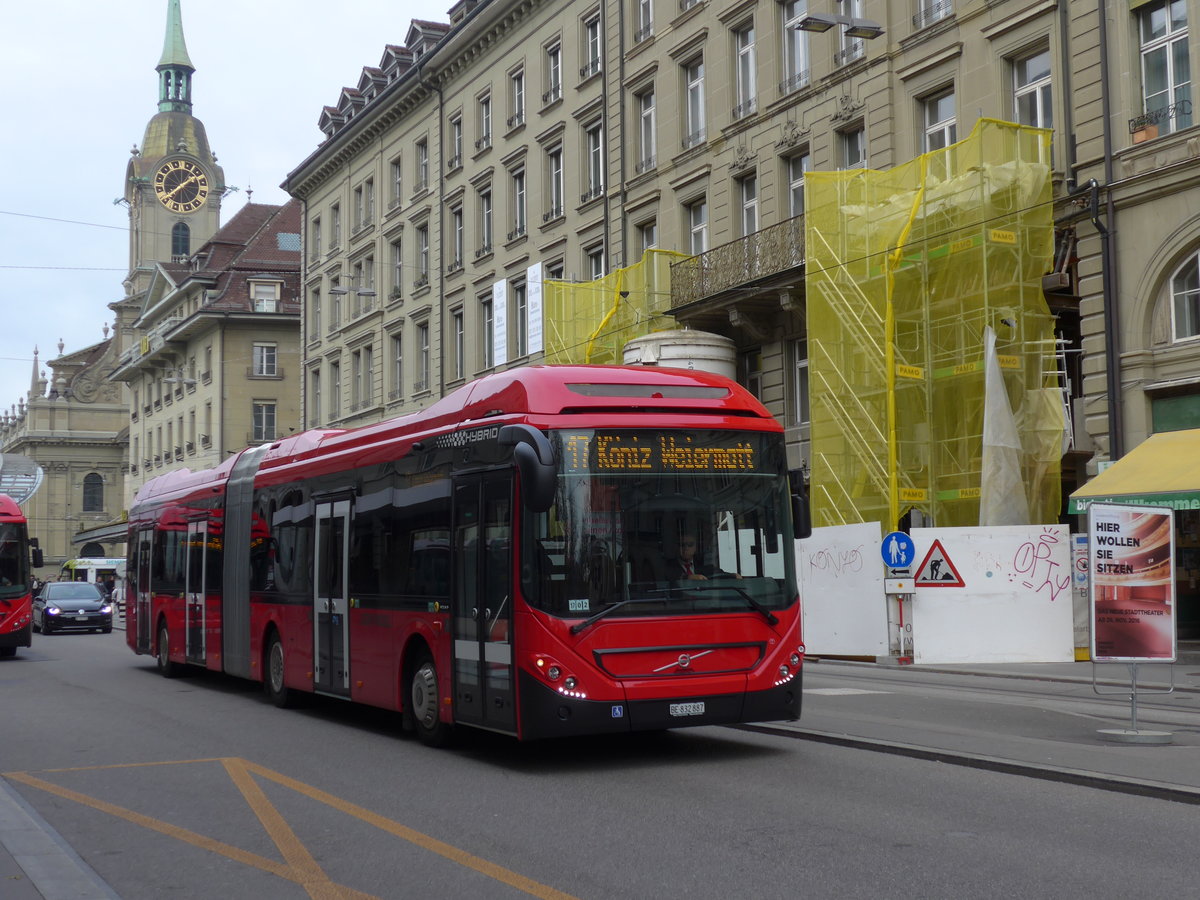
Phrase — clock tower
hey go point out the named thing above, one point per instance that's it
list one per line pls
(173, 185)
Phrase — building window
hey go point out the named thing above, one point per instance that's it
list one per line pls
(554, 174)
(591, 47)
(335, 225)
(795, 47)
(800, 411)
(265, 358)
(647, 148)
(456, 144)
(422, 171)
(265, 296)
(594, 149)
(93, 492)
(336, 292)
(520, 318)
(422, 232)
(335, 390)
(517, 98)
(397, 365)
(264, 420)
(314, 402)
(1166, 70)
(518, 204)
(315, 234)
(457, 327)
(853, 145)
(456, 239)
(368, 358)
(487, 335)
(693, 77)
(360, 207)
(748, 197)
(752, 371)
(852, 48)
(422, 357)
(1031, 90)
(797, 166)
(181, 241)
(485, 123)
(485, 223)
(397, 251)
(593, 259)
(648, 235)
(697, 218)
(941, 128)
(397, 180)
(930, 11)
(553, 74)
(356, 377)
(644, 20)
(1185, 297)
(314, 314)
(746, 75)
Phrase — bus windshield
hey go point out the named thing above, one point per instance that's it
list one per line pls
(665, 522)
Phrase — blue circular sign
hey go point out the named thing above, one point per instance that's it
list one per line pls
(898, 550)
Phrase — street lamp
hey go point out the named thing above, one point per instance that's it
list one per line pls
(855, 28)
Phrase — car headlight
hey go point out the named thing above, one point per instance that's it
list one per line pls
(53, 610)
(106, 608)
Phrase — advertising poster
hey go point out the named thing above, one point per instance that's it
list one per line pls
(1131, 562)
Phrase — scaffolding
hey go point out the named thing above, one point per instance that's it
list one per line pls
(905, 271)
(591, 321)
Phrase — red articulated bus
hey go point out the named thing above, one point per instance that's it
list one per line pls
(506, 559)
(16, 598)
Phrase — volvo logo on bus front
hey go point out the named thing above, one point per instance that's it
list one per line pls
(684, 660)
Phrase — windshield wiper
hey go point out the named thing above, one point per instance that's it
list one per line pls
(593, 619)
(754, 604)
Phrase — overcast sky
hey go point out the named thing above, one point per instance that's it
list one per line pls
(78, 85)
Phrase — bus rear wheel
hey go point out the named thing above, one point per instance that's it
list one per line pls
(274, 684)
(166, 668)
(424, 701)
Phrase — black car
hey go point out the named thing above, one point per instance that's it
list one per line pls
(71, 606)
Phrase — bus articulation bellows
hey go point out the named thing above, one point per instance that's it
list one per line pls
(505, 559)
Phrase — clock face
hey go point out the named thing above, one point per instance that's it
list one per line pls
(181, 186)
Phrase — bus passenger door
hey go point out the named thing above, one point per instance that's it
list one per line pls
(194, 590)
(145, 539)
(482, 607)
(331, 636)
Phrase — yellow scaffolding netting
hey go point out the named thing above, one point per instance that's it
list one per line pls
(905, 269)
(591, 321)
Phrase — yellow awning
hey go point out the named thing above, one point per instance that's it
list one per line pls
(1164, 470)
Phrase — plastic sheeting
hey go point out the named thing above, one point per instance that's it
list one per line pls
(905, 270)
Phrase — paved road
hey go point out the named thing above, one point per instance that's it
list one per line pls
(120, 783)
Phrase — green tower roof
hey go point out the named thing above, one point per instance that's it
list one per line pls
(174, 47)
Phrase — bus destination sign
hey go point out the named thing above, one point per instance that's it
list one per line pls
(600, 451)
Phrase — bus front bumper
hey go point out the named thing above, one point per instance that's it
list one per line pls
(545, 713)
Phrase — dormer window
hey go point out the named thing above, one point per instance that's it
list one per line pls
(265, 296)
(181, 241)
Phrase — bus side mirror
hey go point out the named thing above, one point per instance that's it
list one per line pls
(801, 517)
(535, 461)
(36, 556)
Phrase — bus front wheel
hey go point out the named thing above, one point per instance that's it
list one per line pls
(423, 702)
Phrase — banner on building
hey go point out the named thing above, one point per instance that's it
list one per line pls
(499, 323)
(1131, 564)
(533, 282)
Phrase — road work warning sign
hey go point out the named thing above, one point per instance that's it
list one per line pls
(936, 570)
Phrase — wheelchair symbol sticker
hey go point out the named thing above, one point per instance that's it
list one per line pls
(618, 712)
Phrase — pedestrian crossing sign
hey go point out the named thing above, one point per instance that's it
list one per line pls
(936, 570)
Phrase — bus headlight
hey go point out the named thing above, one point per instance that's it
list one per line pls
(784, 672)
(553, 673)
(794, 660)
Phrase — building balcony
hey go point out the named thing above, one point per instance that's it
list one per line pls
(769, 252)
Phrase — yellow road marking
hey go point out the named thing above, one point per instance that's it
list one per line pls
(462, 857)
(300, 868)
(318, 885)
